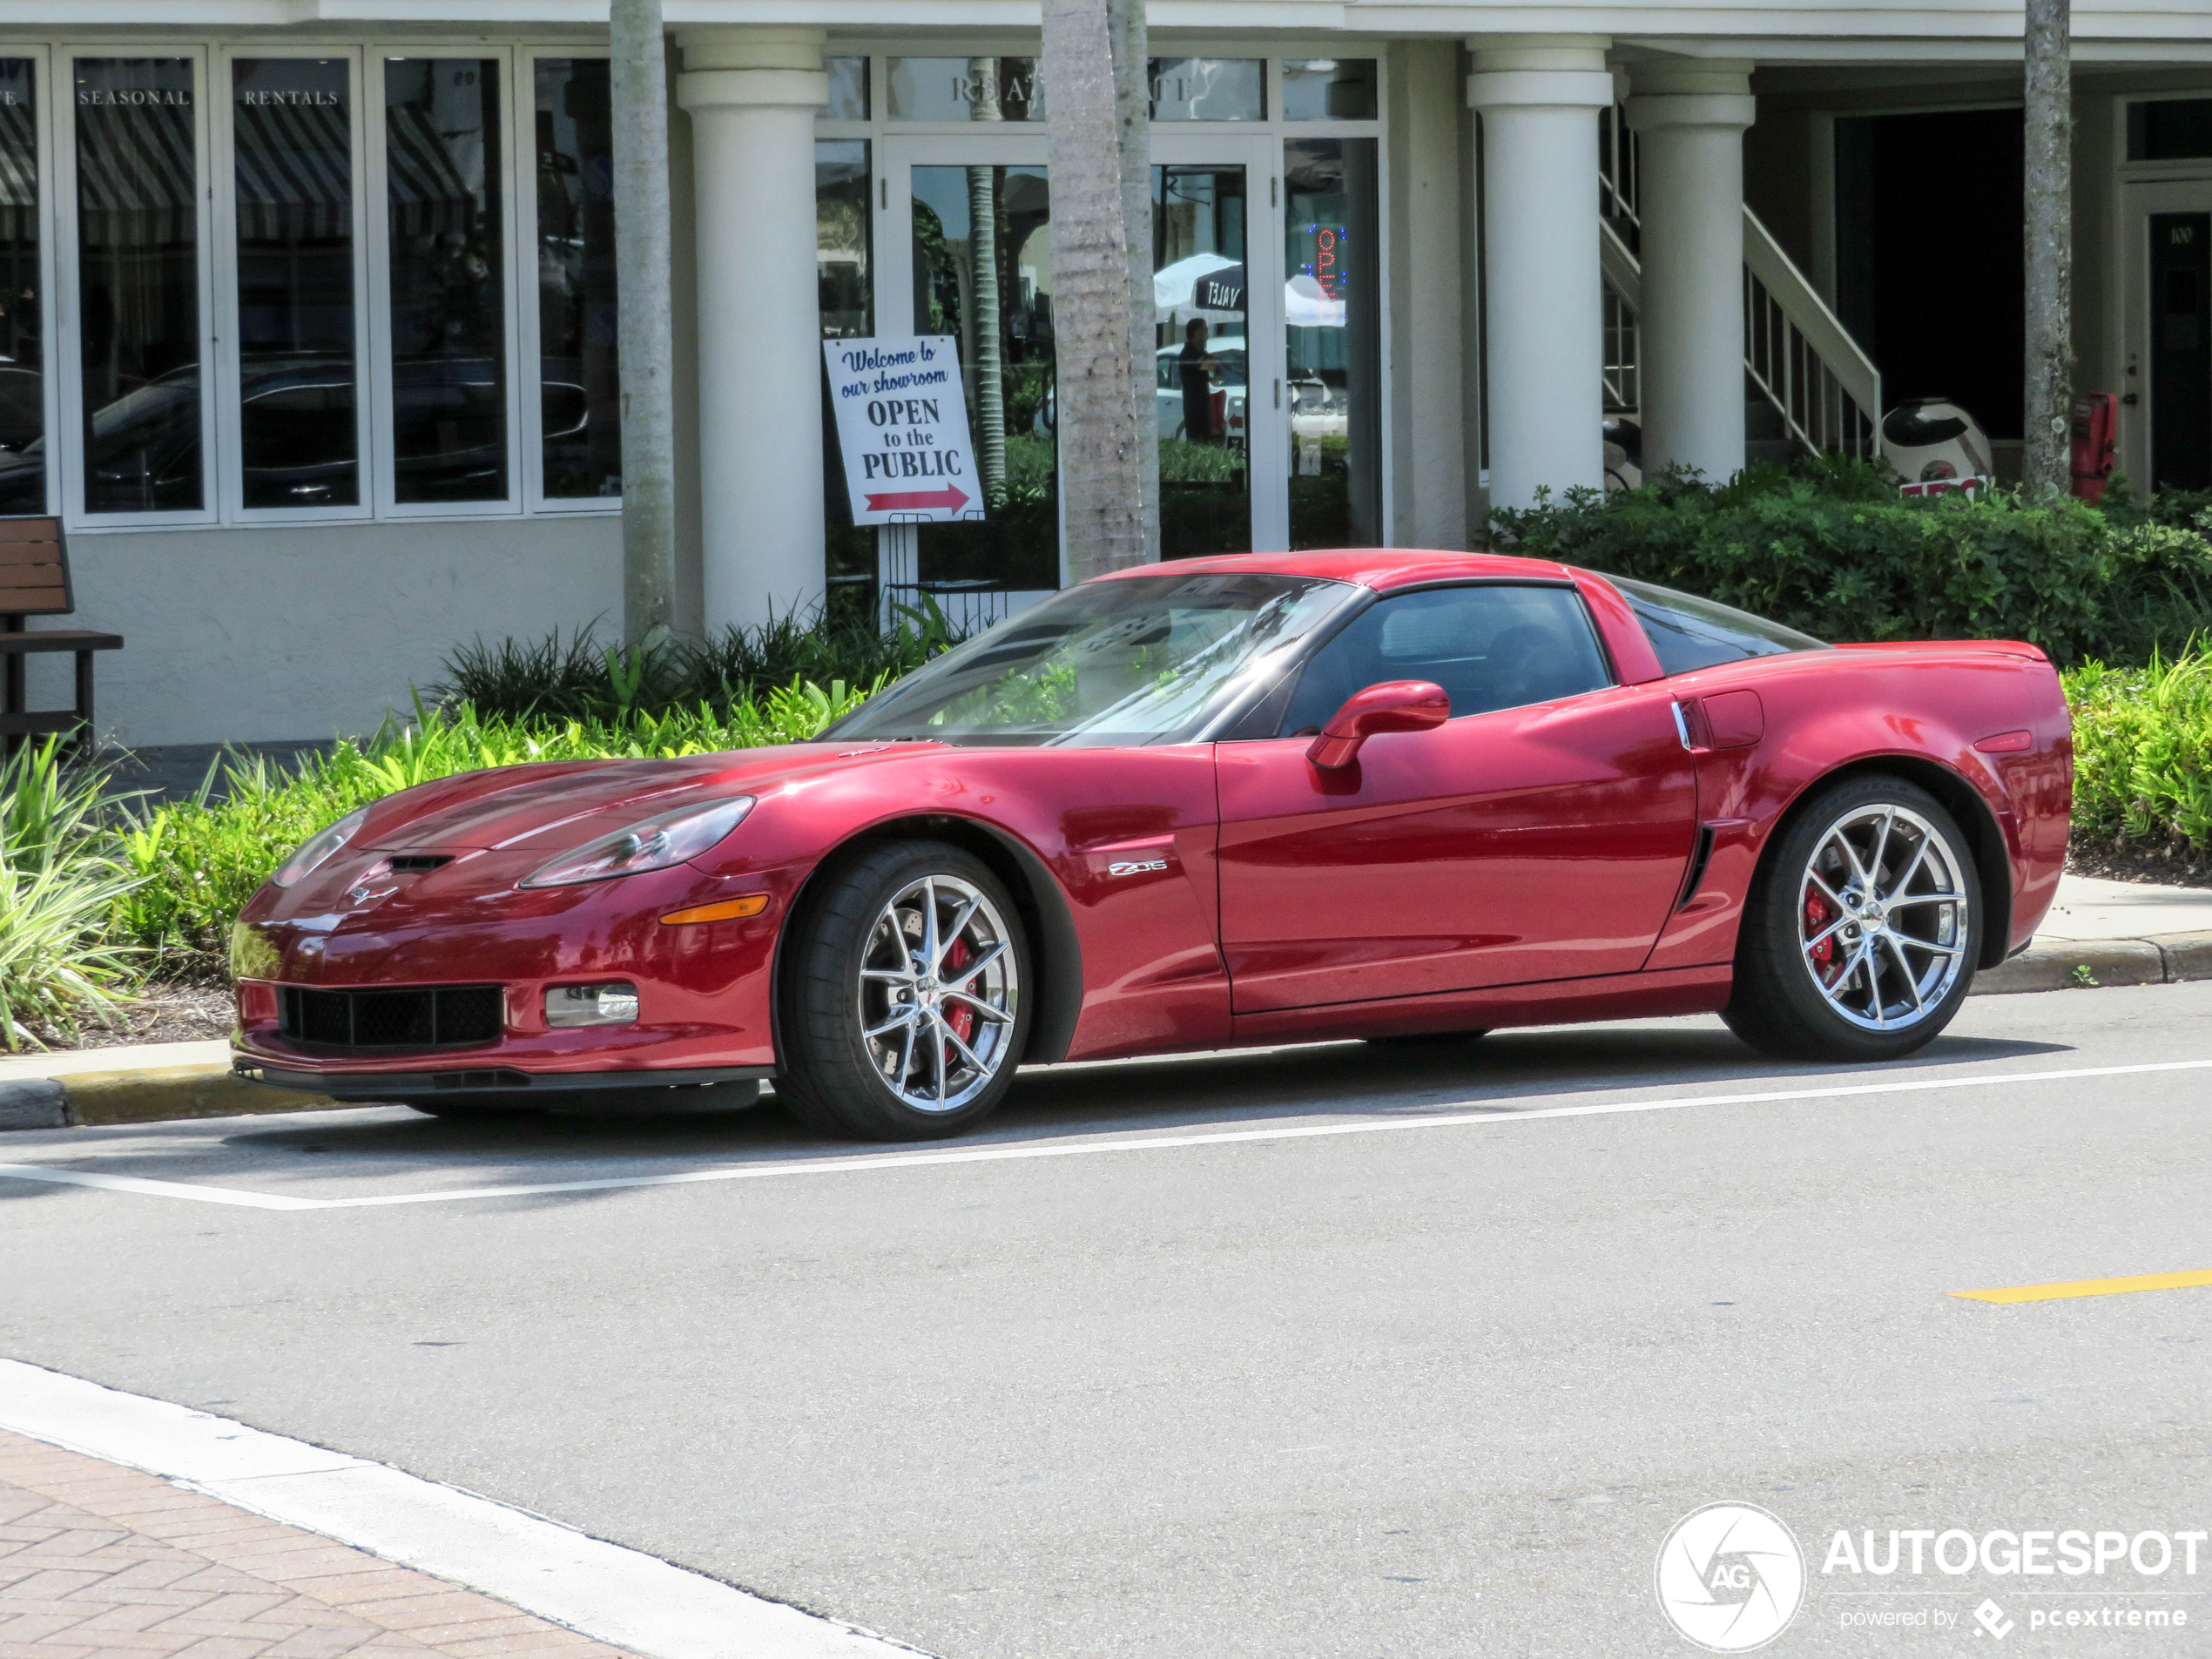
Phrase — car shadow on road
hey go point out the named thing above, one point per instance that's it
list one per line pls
(311, 1154)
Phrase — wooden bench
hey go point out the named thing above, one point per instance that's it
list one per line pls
(34, 582)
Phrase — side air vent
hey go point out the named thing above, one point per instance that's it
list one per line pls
(1698, 861)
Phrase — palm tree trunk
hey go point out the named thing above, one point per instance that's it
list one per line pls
(2045, 468)
(638, 75)
(1101, 471)
(1130, 39)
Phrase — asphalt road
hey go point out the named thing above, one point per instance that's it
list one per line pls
(1190, 1385)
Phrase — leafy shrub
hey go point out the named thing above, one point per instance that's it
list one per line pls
(61, 879)
(581, 678)
(196, 862)
(1833, 550)
(2142, 751)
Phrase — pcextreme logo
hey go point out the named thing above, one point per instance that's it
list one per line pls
(1731, 1577)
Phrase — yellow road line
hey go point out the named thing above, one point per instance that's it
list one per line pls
(2091, 1287)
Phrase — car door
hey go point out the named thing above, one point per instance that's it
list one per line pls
(1542, 832)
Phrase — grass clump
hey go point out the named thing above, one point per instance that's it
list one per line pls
(580, 677)
(62, 878)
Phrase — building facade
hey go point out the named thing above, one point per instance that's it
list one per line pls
(307, 315)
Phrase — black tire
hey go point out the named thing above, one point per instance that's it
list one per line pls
(1910, 929)
(832, 1075)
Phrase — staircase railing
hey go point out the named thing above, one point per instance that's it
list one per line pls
(1807, 364)
(1802, 360)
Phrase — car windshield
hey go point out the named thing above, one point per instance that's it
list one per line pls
(1137, 660)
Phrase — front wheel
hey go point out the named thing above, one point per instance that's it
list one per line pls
(904, 1012)
(1861, 933)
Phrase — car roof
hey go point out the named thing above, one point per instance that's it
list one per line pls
(1380, 568)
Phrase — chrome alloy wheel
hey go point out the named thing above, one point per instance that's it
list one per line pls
(938, 990)
(1882, 913)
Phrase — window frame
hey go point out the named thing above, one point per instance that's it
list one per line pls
(379, 274)
(51, 304)
(230, 366)
(524, 123)
(69, 276)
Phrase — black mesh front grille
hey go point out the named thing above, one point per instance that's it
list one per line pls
(426, 1017)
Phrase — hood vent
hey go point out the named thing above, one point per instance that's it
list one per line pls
(417, 863)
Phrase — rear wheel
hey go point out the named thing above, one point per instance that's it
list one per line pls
(1861, 933)
(904, 1013)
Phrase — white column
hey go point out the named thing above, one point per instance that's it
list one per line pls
(753, 95)
(1539, 96)
(1689, 119)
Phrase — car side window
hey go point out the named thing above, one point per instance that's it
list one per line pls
(1688, 633)
(1492, 646)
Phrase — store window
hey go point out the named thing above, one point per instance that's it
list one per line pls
(137, 228)
(848, 90)
(1329, 89)
(843, 242)
(1209, 89)
(291, 139)
(579, 387)
(448, 253)
(1332, 317)
(1201, 381)
(22, 354)
(2170, 130)
(966, 89)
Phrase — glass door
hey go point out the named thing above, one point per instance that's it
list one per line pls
(965, 244)
(2165, 418)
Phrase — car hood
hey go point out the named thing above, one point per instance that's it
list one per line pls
(552, 806)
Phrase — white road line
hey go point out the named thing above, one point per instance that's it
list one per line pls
(1445, 1117)
(618, 1595)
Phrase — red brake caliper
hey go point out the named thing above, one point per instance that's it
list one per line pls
(959, 1016)
(1818, 915)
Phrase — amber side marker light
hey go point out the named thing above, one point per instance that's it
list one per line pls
(729, 910)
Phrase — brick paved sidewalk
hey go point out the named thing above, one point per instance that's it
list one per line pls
(99, 1559)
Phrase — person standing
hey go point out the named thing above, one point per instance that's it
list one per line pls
(1197, 368)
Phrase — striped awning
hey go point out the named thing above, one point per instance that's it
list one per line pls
(134, 175)
(294, 173)
(432, 174)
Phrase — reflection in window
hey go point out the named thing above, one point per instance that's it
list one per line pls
(966, 89)
(22, 360)
(449, 321)
(1333, 314)
(1329, 89)
(1209, 89)
(292, 142)
(982, 273)
(842, 243)
(138, 230)
(1200, 392)
(579, 391)
(848, 90)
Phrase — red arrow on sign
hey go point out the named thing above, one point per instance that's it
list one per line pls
(952, 498)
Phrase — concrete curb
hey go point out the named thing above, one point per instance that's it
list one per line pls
(160, 1094)
(2090, 964)
(143, 1095)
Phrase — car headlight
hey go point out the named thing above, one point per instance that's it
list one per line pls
(650, 843)
(318, 849)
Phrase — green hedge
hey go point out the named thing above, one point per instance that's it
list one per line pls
(196, 862)
(1836, 551)
(2142, 752)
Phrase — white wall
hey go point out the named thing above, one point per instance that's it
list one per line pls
(266, 633)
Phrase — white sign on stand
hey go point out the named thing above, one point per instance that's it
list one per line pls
(902, 424)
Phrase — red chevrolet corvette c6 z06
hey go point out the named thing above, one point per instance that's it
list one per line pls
(1254, 799)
